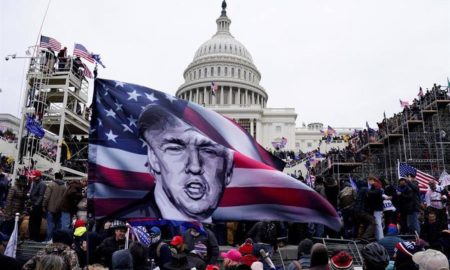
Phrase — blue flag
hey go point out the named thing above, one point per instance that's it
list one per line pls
(34, 127)
(97, 59)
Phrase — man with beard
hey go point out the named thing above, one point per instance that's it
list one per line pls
(191, 171)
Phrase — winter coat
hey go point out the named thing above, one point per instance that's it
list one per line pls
(375, 199)
(15, 201)
(72, 197)
(107, 248)
(347, 197)
(406, 200)
(37, 193)
(332, 192)
(208, 239)
(62, 250)
(54, 195)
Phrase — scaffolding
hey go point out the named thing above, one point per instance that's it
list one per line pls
(418, 136)
(56, 97)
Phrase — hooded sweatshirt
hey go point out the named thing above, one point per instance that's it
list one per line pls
(54, 195)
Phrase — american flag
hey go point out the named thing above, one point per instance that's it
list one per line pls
(214, 88)
(87, 72)
(141, 234)
(404, 103)
(422, 177)
(81, 51)
(119, 177)
(50, 43)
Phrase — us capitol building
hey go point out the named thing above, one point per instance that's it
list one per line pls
(223, 77)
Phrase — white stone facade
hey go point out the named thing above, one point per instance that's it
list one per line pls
(224, 61)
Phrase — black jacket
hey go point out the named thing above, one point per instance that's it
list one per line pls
(375, 199)
(37, 193)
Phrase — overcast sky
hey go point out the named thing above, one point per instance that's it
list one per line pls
(340, 62)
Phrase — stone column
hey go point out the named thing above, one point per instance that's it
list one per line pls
(205, 100)
(230, 95)
(253, 98)
(251, 126)
(238, 99)
(197, 98)
(221, 95)
(246, 96)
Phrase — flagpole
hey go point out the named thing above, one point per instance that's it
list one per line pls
(40, 29)
(127, 236)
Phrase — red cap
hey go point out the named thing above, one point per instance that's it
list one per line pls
(36, 173)
(177, 240)
(79, 223)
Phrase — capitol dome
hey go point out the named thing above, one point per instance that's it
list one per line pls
(222, 72)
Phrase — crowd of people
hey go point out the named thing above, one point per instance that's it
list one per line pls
(373, 212)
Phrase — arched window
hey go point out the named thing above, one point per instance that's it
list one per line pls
(226, 71)
(218, 71)
(205, 73)
(245, 75)
(232, 72)
(195, 74)
(239, 73)
(199, 73)
(212, 71)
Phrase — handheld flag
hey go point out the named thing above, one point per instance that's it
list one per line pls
(404, 103)
(81, 51)
(11, 247)
(423, 178)
(34, 127)
(97, 59)
(50, 43)
(206, 166)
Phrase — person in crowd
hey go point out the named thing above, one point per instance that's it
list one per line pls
(332, 191)
(51, 204)
(15, 203)
(51, 262)
(178, 262)
(319, 257)
(231, 259)
(4, 183)
(375, 257)
(70, 200)
(122, 260)
(36, 199)
(431, 259)
(413, 217)
(62, 241)
(434, 198)
(319, 187)
(390, 240)
(140, 256)
(205, 236)
(406, 203)
(247, 250)
(177, 245)
(403, 255)
(303, 256)
(112, 243)
(431, 229)
(365, 222)
(389, 209)
(347, 197)
(375, 204)
(159, 250)
(82, 205)
(198, 256)
(62, 58)
(341, 261)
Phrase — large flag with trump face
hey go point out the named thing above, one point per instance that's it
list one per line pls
(152, 155)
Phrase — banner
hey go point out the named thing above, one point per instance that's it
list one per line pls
(153, 155)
